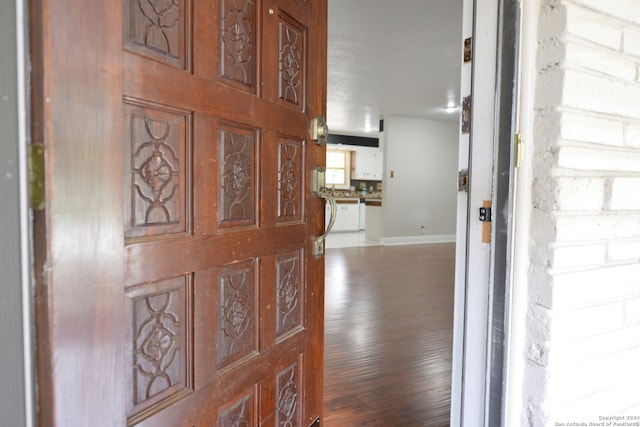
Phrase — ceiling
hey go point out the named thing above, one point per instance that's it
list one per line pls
(392, 58)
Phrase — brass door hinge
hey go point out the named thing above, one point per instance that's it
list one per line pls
(518, 155)
(35, 162)
(463, 180)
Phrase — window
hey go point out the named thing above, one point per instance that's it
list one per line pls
(337, 175)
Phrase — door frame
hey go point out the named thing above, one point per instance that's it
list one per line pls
(472, 255)
(503, 222)
(16, 317)
(483, 270)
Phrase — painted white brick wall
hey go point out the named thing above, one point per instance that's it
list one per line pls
(625, 193)
(583, 322)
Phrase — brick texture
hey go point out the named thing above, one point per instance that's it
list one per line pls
(583, 323)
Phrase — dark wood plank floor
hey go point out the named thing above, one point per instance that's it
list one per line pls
(388, 335)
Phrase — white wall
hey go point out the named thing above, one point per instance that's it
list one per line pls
(423, 155)
(582, 343)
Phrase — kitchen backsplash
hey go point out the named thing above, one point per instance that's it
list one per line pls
(369, 186)
(346, 194)
(363, 189)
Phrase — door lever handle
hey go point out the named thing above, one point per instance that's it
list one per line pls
(320, 190)
(318, 243)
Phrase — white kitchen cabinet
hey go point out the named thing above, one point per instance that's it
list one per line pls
(367, 165)
(378, 173)
(347, 217)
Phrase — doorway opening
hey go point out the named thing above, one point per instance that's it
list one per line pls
(385, 336)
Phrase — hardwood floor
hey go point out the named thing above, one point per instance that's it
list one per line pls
(388, 335)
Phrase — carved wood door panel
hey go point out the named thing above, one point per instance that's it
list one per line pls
(177, 283)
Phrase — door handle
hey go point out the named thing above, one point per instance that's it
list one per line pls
(321, 191)
(318, 243)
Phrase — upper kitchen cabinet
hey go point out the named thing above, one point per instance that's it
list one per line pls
(364, 161)
(366, 164)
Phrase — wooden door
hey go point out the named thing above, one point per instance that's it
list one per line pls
(175, 280)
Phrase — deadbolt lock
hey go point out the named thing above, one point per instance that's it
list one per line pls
(319, 130)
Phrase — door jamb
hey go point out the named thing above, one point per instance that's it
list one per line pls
(503, 208)
(479, 366)
(17, 370)
(472, 254)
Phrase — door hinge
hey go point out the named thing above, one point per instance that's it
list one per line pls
(35, 162)
(463, 180)
(467, 50)
(518, 155)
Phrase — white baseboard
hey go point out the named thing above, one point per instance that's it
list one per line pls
(416, 240)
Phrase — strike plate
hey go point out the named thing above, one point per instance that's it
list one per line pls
(485, 214)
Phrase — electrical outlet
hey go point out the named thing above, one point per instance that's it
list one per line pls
(422, 230)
